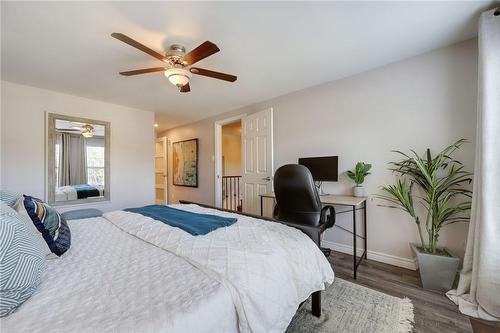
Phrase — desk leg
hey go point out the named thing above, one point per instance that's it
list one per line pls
(366, 232)
(261, 205)
(354, 241)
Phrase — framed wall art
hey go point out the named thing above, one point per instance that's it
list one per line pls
(185, 163)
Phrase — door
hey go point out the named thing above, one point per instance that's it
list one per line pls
(257, 155)
(161, 171)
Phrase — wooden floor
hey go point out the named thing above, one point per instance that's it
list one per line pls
(434, 312)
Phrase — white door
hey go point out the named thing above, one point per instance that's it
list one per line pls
(257, 155)
(161, 171)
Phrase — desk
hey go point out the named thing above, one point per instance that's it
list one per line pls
(355, 203)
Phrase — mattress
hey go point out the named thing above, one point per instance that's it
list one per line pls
(111, 281)
(269, 268)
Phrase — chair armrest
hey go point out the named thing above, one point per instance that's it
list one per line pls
(328, 221)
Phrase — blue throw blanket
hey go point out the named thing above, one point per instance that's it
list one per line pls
(195, 224)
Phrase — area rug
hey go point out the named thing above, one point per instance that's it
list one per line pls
(351, 308)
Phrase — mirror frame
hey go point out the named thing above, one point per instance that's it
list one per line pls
(50, 173)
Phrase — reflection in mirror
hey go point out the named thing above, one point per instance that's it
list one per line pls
(79, 166)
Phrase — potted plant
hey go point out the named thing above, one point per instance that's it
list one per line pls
(437, 184)
(358, 176)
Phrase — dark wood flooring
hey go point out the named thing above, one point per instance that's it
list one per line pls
(434, 312)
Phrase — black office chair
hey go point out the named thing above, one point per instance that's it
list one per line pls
(297, 201)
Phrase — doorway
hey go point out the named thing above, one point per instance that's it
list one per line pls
(228, 163)
(243, 161)
(232, 198)
(161, 171)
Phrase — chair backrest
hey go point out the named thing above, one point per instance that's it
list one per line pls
(296, 195)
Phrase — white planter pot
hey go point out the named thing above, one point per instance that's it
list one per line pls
(436, 272)
(358, 191)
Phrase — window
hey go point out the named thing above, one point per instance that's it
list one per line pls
(58, 146)
(95, 165)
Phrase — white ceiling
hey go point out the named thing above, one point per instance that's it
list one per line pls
(274, 48)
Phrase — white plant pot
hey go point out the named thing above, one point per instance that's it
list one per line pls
(358, 191)
(436, 272)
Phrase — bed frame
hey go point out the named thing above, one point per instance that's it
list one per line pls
(314, 232)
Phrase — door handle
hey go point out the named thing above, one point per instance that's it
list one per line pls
(267, 178)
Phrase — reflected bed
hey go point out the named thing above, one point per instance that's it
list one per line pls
(81, 191)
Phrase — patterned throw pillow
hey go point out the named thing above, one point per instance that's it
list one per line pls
(9, 197)
(51, 225)
(22, 261)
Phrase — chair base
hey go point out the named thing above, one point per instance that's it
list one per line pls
(326, 251)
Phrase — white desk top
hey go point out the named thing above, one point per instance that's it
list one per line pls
(332, 199)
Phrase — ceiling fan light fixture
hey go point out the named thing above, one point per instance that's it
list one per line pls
(178, 76)
(87, 131)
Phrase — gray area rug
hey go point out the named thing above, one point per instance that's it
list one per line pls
(351, 308)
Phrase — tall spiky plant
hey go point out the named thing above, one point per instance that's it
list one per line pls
(441, 181)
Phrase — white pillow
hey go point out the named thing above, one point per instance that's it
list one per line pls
(21, 261)
(9, 197)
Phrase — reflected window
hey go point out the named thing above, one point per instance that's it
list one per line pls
(58, 153)
(95, 165)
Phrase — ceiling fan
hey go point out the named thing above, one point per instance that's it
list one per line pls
(178, 69)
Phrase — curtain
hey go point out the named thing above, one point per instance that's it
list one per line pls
(478, 292)
(72, 160)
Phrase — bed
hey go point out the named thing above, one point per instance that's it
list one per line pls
(126, 272)
(80, 191)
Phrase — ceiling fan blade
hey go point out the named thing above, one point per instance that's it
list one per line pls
(215, 75)
(201, 52)
(137, 45)
(185, 88)
(143, 71)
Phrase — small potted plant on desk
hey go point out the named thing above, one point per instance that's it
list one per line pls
(436, 182)
(358, 176)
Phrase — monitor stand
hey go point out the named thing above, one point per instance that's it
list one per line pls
(319, 186)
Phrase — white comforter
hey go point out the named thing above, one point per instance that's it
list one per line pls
(268, 268)
(110, 281)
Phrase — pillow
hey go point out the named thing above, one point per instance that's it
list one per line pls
(21, 261)
(50, 224)
(6, 209)
(9, 197)
(23, 215)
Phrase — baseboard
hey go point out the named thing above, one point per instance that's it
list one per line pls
(373, 255)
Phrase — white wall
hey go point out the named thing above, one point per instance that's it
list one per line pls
(425, 101)
(23, 148)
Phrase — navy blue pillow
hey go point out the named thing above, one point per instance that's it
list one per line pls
(49, 223)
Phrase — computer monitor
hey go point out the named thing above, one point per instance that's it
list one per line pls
(322, 168)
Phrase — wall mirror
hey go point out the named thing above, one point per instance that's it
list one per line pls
(77, 160)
